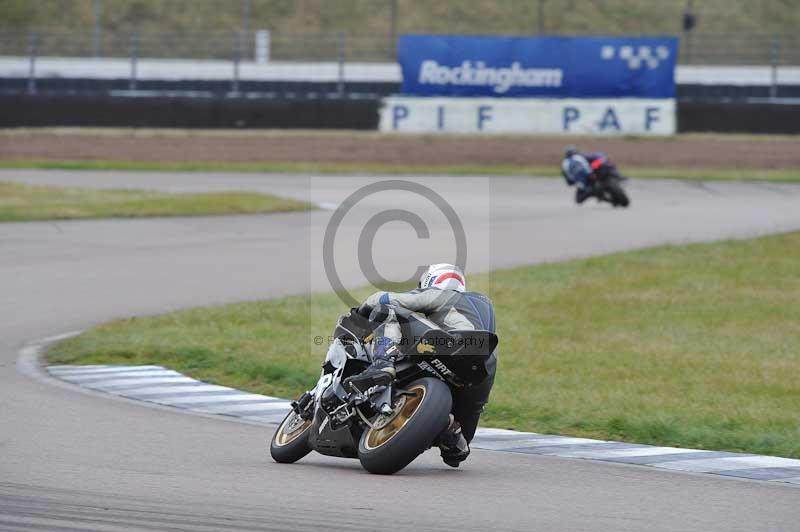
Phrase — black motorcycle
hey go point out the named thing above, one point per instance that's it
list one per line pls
(385, 427)
(607, 185)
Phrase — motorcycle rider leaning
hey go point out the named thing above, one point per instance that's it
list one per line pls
(578, 167)
(443, 299)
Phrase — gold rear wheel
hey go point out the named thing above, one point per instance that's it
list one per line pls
(418, 417)
(387, 427)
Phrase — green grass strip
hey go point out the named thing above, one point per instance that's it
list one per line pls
(692, 346)
(20, 202)
(700, 174)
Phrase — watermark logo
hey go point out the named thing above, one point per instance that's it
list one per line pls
(368, 233)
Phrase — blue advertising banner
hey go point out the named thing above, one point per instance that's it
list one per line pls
(576, 67)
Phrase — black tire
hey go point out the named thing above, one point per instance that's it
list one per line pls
(289, 447)
(618, 196)
(424, 422)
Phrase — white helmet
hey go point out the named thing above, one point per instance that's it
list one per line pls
(444, 277)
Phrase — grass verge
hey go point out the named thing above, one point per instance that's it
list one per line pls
(698, 174)
(693, 346)
(19, 202)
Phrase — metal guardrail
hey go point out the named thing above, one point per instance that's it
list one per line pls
(696, 48)
(729, 49)
(263, 46)
(218, 46)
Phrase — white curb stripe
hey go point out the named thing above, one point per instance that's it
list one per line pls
(271, 419)
(99, 370)
(178, 400)
(143, 381)
(728, 463)
(53, 369)
(530, 443)
(497, 432)
(125, 374)
(626, 453)
(177, 390)
(258, 407)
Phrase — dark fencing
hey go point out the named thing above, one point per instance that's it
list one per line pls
(105, 111)
(739, 93)
(319, 89)
(20, 110)
(739, 117)
(201, 88)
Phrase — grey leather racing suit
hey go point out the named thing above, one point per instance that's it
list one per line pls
(450, 310)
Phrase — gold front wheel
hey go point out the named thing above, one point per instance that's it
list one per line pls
(293, 427)
(290, 442)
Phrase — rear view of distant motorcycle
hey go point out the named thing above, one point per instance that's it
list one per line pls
(593, 175)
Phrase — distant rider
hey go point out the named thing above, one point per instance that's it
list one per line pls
(579, 168)
(443, 299)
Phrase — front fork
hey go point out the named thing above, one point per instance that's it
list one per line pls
(301, 406)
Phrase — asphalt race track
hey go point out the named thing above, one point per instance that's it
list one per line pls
(78, 461)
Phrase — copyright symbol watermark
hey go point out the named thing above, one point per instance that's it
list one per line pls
(367, 235)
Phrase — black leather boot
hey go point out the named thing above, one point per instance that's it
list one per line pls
(453, 445)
